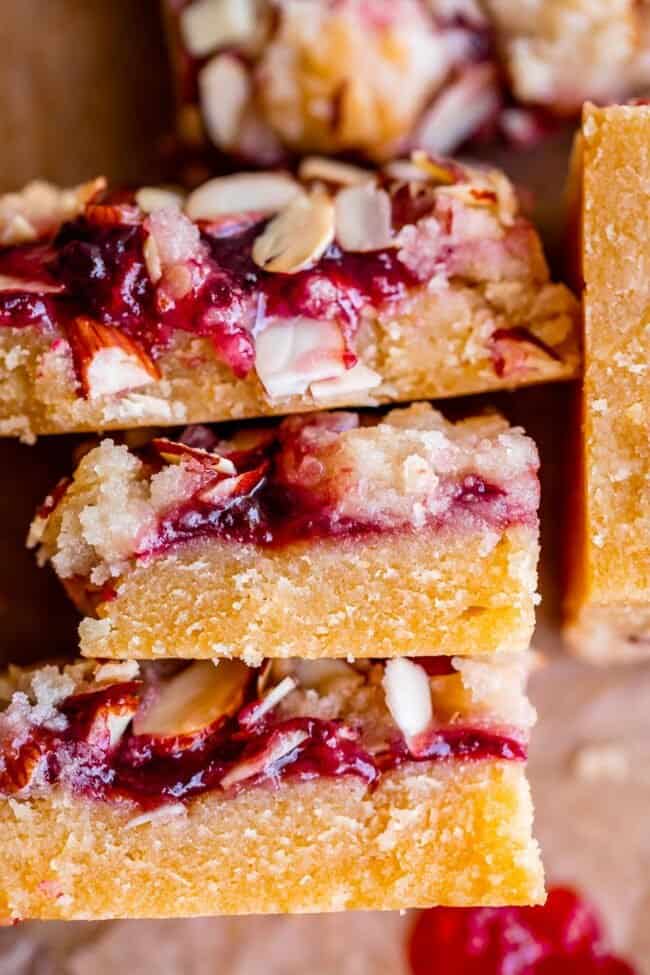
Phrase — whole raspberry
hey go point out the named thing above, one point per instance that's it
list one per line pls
(564, 937)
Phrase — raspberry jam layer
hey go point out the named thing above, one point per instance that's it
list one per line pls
(153, 771)
(101, 274)
(564, 937)
(270, 502)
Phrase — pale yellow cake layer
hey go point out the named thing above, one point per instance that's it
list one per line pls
(456, 834)
(393, 594)
(610, 583)
(435, 344)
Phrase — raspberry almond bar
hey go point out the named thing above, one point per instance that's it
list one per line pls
(558, 53)
(322, 536)
(174, 789)
(260, 79)
(262, 293)
(609, 603)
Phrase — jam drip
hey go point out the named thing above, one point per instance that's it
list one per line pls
(152, 771)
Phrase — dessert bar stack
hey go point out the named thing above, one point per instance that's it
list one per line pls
(306, 606)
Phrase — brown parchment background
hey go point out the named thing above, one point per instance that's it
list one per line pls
(84, 90)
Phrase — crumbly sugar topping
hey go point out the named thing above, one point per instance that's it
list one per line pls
(401, 471)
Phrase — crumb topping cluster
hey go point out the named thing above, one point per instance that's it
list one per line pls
(163, 733)
(309, 477)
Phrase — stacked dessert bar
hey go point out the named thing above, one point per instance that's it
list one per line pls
(304, 640)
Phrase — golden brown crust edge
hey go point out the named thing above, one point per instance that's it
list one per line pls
(394, 595)
(455, 834)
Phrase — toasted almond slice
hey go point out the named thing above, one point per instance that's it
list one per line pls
(408, 696)
(274, 696)
(462, 108)
(323, 675)
(111, 721)
(298, 236)
(209, 24)
(117, 671)
(404, 171)
(434, 170)
(8, 283)
(363, 218)
(262, 193)
(333, 171)
(158, 815)
(281, 744)
(355, 381)
(150, 198)
(174, 452)
(292, 354)
(195, 699)
(225, 89)
(107, 360)
(152, 260)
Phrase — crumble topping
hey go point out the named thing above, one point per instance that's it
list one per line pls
(314, 476)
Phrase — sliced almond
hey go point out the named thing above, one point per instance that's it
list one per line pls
(408, 696)
(324, 675)
(39, 208)
(281, 744)
(363, 218)
(158, 815)
(224, 492)
(433, 169)
(117, 672)
(111, 721)
(262, 193)
(209, 24)
(225, 89)
(462, 108)
(404, 171)
(150, 198)
(174, 452)
(9, 283)
(274, 696)
(333, 171)
(152, 259)
(292, 354)
(195, 699)
(107, 360)
(353, 382)
(298, 236)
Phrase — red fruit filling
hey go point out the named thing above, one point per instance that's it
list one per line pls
(264, 503)
(156, 770)
(96, 270)
(564, 937)
(102, 275)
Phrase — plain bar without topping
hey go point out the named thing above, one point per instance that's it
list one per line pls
(609, 604)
